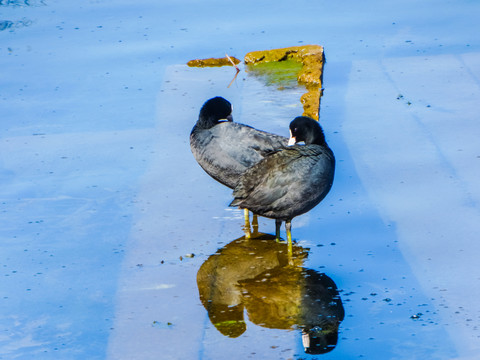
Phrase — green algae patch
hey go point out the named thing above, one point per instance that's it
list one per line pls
(214, 62)
(282, 74)
(310, 73)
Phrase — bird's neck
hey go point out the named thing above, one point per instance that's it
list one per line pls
(205, 122)
(317, 138)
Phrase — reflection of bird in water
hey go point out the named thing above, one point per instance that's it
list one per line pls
(225, 149)
(295, 297)
(219, 277)
(256, 275)
(292, 180)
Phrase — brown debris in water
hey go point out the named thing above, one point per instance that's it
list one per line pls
(312, 58)
(212, 62)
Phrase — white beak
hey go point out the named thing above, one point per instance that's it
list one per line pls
(292, 141)
(227, 119)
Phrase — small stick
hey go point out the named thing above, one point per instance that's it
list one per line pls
(231, 82)
(230, 59)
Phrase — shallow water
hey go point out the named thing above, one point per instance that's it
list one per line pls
(107, 220)
(386, 313)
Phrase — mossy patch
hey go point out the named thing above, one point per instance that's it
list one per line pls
(310, 72)
(282, 74)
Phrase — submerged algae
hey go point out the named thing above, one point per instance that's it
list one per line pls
(282, 74)
(311, 58)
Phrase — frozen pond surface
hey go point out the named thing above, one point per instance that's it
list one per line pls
(102, 200)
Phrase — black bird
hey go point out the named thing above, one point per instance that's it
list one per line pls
(225, 149)
(290, 181)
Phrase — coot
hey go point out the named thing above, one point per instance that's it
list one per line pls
(290, 181)
(225, 149)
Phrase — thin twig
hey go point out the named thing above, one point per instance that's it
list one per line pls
(231, 82)
(230, 59)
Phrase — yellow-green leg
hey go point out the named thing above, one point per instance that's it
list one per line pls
(288, 227)
(248, 235)
(278, 224)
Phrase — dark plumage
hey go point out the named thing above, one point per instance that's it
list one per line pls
(225, 149)
(290, 181)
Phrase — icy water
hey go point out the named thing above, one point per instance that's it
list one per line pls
(111, 233)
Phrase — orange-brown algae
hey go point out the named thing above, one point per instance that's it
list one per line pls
(212, 62)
